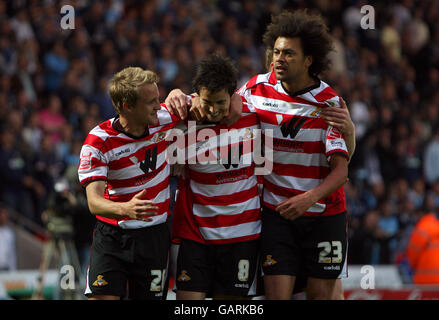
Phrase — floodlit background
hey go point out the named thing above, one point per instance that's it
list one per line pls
(53, 83)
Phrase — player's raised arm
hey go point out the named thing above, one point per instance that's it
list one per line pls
(178, 103)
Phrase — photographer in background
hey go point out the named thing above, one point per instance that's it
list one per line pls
(60, 209)
(67, 216)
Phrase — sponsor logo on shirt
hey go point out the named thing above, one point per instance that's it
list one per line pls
(150, 162)
(270, 104)
(127, 150)
(85, 161)
(292, 128)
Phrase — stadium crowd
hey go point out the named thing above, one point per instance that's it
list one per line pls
(53, 91)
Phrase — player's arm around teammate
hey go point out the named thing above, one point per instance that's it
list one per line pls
(182, 105)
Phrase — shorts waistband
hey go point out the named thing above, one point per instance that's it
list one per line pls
(271, 211)
(134, 230)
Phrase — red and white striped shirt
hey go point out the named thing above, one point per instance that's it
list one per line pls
(129, 165)
(302, 142)
(219, 202)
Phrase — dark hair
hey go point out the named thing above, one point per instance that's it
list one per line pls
(216, 73)
(313, 34)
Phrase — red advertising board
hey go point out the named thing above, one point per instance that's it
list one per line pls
(415, 293)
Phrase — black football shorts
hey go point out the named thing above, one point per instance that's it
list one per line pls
(307, 246)
(221, 269)
(129, 263)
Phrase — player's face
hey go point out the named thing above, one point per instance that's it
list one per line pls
(145, 110)
(215, 104)
(289, 62)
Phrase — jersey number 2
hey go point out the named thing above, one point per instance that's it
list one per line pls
(327, 248)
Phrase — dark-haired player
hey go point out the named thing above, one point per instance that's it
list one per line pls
(217, 217)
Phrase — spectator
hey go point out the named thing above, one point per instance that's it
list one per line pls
(360, 115)
(418, 31)
(56, 64)
(423, 250)
(357, 209)
(52, 119)
(18, 186)
(388, 229)
(431, 156)
(363, 243)
(8, 254)
(391, 40)
(417, 193)
(21, 26)
(166, 65)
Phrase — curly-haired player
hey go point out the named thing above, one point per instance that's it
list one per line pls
(217, 217)
(304, 207)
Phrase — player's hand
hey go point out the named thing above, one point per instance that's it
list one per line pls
(178, 103)
(139, 208)
(339, 118)
(197, 113)
(235, 110)
(294, 207)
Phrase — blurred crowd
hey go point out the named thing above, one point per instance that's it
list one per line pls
(53, 91)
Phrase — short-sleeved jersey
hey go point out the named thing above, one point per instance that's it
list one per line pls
(128, 165)
(302, 142)
(218, 202)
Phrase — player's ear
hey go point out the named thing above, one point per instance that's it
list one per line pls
(125, 107)
(308, 61)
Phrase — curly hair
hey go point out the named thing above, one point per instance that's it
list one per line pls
(312, 31)
(216, 73)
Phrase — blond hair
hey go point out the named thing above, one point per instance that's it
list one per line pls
(125, 84)
(268, 59)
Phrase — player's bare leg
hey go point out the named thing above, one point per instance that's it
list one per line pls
(103, 297)
(190, 295)
(320, 289)
(338, 293)
(279, 287)
(227, 297)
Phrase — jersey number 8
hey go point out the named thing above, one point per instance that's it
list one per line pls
(243, 269)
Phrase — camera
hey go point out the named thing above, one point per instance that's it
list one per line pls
(58, 216)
